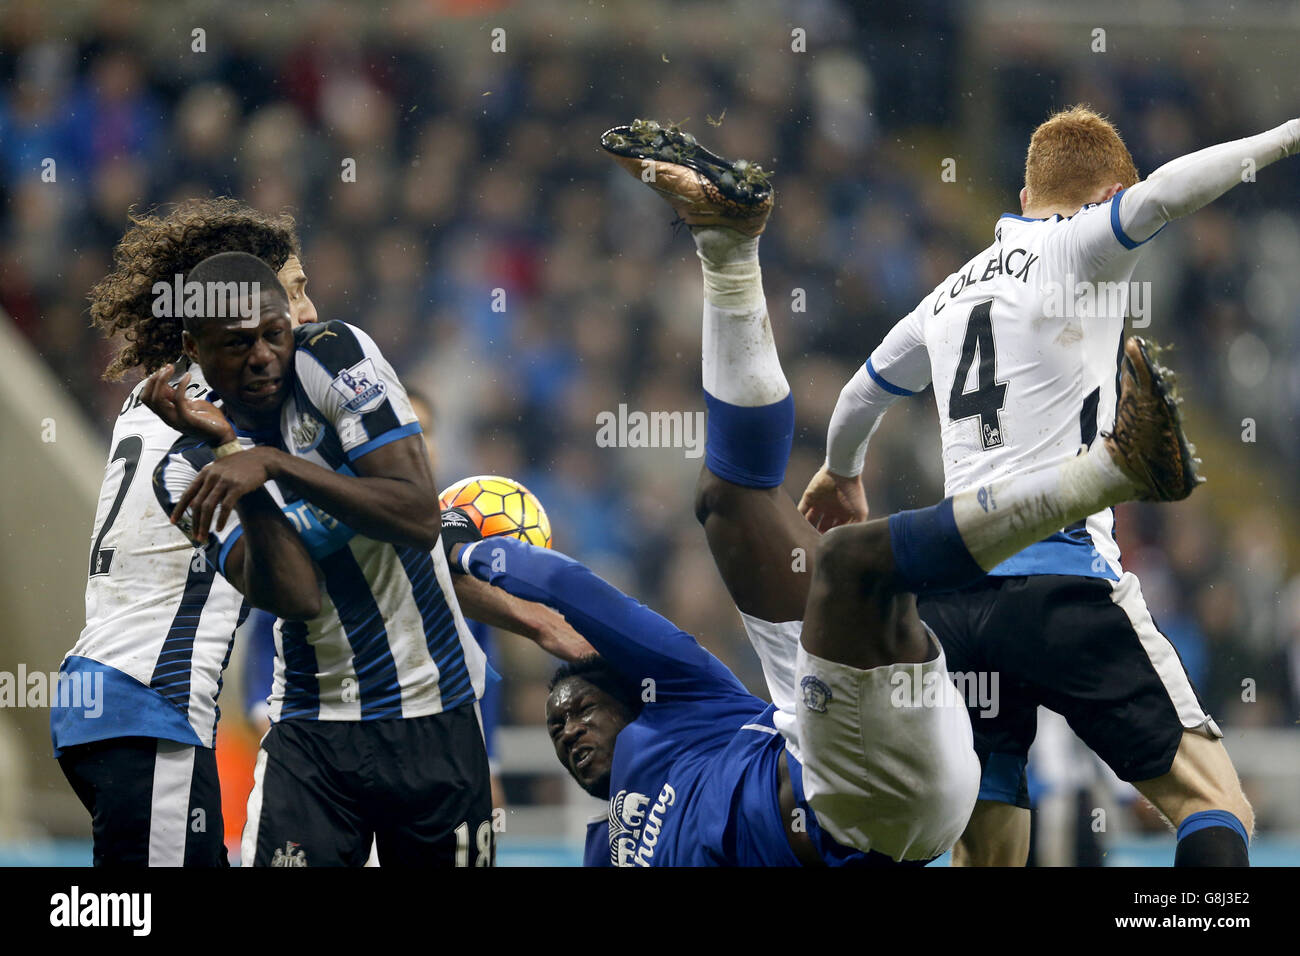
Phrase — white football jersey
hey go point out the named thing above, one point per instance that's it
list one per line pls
(1022, 346)
(159, 620)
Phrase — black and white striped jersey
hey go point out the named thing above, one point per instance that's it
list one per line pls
(390, 640)
(159, 621)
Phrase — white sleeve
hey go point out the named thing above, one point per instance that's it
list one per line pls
(1098, 234)
(899, 366)
(1183, 185)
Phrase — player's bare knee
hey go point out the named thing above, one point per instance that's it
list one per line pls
(1202, 778)
(1212, 799)
(1228, 795)
(855, 559)
(1244, 812)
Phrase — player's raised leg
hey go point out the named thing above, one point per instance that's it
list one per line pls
(760, 543)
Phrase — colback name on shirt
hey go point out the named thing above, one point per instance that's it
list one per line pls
(999, 265)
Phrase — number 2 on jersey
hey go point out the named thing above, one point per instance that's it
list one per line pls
(989, 395)
(128, 451)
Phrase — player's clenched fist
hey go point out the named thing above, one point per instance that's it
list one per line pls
(219, 486)
(189, 416)
(831, 500)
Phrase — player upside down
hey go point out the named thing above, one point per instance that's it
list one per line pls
(836, 770)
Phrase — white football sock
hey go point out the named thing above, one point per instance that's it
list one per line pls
(1005, 516)
(740, 364)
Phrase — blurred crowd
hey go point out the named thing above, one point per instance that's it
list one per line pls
(523, 282)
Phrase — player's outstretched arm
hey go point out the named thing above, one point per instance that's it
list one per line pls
(538, 623)
(1184, 185)
(900, 366)
(636, 640)
(393, 499)
(498, 608)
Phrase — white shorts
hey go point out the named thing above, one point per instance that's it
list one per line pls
(888, 756)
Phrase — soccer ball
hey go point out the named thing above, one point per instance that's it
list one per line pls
(500, 506)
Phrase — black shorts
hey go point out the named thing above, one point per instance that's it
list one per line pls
(418, 787)
(152, 802)
(1086, 648)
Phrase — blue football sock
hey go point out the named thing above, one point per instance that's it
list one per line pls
(749, 446)
(929, 554)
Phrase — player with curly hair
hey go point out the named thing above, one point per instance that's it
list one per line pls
(135, 729)
(157, 247)
(160, 620)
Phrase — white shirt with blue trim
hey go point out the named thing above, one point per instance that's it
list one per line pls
(1021, 345)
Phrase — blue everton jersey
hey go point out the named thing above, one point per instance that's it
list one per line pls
(390, 640)
(675, 770)
(595, 851)
(695, 778)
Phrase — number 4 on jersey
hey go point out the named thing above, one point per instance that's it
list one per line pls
(989, 395)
